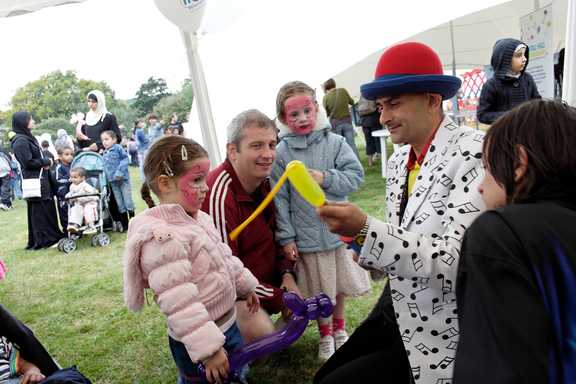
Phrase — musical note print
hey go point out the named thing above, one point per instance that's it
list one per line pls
(464, 208)
(417, 262)
(397, 296)
(416, 372)
(448, 296)
(439, 206)
(443, 364)
(390, 231)
(376, 249)
(419, 191)
(436, 305)
(425, 350)
(447, 258)
(453, 345)
(415, 311)
(421, 218)
(446, 334)
(407, 336)
(445, 180)
(469, 178)
(447, 380)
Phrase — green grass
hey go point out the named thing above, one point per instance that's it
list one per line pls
(74, 305)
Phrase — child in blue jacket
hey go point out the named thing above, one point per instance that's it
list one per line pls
(116, 162)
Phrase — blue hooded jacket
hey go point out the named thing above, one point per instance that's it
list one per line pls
(503, 92)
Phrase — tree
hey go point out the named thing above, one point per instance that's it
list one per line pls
(179, 103)
(58, 95)
(149, 94)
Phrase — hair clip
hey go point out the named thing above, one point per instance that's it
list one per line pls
(184, 153)
(168, 169)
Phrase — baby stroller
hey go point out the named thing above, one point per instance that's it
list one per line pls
(93, 163)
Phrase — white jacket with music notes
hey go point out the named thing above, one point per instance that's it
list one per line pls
(420, 251)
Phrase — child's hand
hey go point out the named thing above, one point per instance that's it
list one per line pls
(318, 176)
(217, 367)
(253, 302)
(30, 373)
(291, 251)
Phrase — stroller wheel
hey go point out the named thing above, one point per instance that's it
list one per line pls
(94, 240)
(60, 244)
(68, 245)
(103, 240)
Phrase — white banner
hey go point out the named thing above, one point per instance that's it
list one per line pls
(536, 31)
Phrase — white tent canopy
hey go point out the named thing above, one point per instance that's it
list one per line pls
(20, 7)
(474, 36)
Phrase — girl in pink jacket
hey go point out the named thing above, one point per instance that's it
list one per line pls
(175, 250)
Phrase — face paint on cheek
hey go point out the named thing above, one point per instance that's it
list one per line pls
(191, 189)
(300, 114)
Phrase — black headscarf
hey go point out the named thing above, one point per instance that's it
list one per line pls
(20, 122)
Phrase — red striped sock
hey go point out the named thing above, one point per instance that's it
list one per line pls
(338, 324)
(325, 330)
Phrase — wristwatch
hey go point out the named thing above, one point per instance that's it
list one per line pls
(358, 241)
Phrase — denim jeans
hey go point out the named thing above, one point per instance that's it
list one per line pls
(6, 190)
(188, 371)
(344, 127)
(122, 191)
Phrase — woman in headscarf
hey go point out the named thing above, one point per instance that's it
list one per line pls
(43, 230)
(98, 120)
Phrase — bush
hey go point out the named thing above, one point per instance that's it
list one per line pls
(52, 125)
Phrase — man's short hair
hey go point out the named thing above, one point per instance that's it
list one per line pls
(45, 144)
(251, 117)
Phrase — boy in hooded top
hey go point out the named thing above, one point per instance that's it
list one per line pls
(511, 84)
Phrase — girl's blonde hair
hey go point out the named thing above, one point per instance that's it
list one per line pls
(168, 156)
(288, 90)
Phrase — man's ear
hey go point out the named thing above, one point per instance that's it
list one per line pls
(434, 101)
(521, 163)
(165, 184)
(231, 151)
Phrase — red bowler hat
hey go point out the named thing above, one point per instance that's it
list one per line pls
(410, 68)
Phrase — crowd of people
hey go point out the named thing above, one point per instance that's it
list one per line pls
(478, 241)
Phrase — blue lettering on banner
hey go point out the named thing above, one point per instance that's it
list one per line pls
(190, 3)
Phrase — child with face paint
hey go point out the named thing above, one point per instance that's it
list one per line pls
(175, 250)
(324, 264)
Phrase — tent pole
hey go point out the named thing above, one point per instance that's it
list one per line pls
(455, 98)
(201, 96)
(568, 84)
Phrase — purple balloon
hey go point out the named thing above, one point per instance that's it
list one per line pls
(302, 312)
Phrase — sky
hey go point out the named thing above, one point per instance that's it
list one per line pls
(249, 48)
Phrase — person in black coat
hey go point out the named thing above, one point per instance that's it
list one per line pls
(98, 120)
(511, 84)
(516, 279)
(43, 228)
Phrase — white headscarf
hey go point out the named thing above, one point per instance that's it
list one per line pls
(93, 117)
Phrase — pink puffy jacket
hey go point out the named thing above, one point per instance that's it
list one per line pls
(193, 274)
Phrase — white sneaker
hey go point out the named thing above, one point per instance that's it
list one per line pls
(340, 337)
(326, 347)
(4, 207)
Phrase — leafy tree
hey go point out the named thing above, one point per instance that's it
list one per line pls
(149, 94)
(52, 125)
(179, 103)
(58, 94)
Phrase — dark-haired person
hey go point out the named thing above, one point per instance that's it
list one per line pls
(43, 230)
(336, 102)
(98, 120)
(517, 273)
(46, 150)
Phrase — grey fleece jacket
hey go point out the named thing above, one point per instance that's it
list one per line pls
(323, 151)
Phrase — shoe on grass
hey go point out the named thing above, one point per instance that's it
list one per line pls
(326, 347)
(340, 337)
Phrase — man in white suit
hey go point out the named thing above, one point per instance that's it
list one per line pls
(431, 198)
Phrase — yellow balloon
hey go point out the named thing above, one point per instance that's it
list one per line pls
(303, 182)
(306, 186)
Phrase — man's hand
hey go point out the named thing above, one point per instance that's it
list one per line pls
(291, 251)
(252, 302)
(342, 218)
(30, 373)
(289, 284)
(318, 176)
(217, 367)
